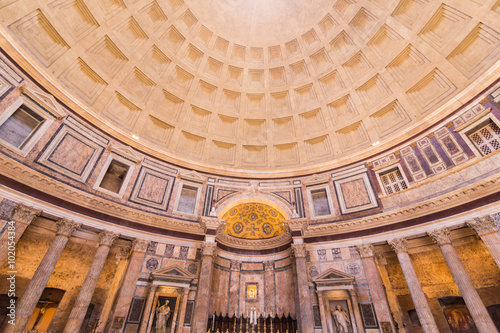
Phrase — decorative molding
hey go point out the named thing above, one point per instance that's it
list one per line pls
(211, 223)
(208, 248)
(235, 265)
(125, 152)
(441, 236)
(140, 245)
(192, 176)
(46, 101)
(299, 250)
(297, 224)
(252, 244)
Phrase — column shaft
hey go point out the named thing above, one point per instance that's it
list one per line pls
(321, 305)
(201, 306)
(31, 295)
(306, 315)
(147, 309)
(417, 294)
(355, 307)
(377, 291)
(492, 242)
(182, 310)
(234, 287)
(478, 311)
(128, 287)
(82, 302)
(269, 288)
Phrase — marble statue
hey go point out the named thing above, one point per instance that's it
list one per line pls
(341, 320)
(162, 315)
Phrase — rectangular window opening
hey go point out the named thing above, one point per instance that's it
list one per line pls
(393, 181)
(320, 202)
(20, 127)
(187, 200)
(114, 176)
(486, 137)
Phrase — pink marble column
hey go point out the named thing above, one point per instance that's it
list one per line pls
(128, 287)
(234, 287)
(26, 305)
(478, 311)
(22, 216)
(417, 294)
(355, 307)
(147, 308)
(269, 290)
(324, 323)
(77, 315)
(375, 284)
(486, 229)
(305, 308)
(182, 310)
(200, 313)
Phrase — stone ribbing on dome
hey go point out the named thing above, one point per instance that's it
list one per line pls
(164, 78)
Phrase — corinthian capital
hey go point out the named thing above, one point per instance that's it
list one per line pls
(66, 227)
(365, 250)
(208, 248)
(399, 245)
(441, 236)
(25, 214)
(140, 245)
(483, 226)
(299, 250)
(107, 237)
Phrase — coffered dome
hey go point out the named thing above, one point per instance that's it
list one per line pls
(257, 88)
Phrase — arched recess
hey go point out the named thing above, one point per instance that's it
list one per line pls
(262, 198)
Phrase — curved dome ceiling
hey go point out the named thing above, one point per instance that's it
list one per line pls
(257, 88)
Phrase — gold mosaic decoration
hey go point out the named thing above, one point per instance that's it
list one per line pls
(253, 221)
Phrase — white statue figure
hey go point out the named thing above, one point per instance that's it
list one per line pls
(162, 315)
(341, 319)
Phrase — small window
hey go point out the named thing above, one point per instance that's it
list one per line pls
(486, 138)
(114, 177)
(320, 202)
(393, 181)
(187, 199)
(20, 126)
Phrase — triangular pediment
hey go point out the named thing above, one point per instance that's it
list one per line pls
(333, 275)
(173, 272)
(192, 176)
(316, 179)
(126, 152)
(46, 101)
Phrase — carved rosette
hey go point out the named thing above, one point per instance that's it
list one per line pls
(441, 236)
(365, 250)
(483, 226)
(107, 237)
(140, 245)
(399, 245)
(66, 227)
(235, 265)
(299, 250)
(25, 214)
(269, 265)
(208, 248)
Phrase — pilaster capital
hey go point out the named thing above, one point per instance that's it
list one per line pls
(299, 250)
(235, 265)
(399, 245)
(208, 248)
(211, 223)
(25, 214)
(297, 224)
(107, 237)
(66, 227)
(365, 250)
(269, 265)
(483, 226)
(441, 236)
(140, 245)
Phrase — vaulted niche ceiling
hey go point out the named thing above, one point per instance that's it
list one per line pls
(257, 88)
